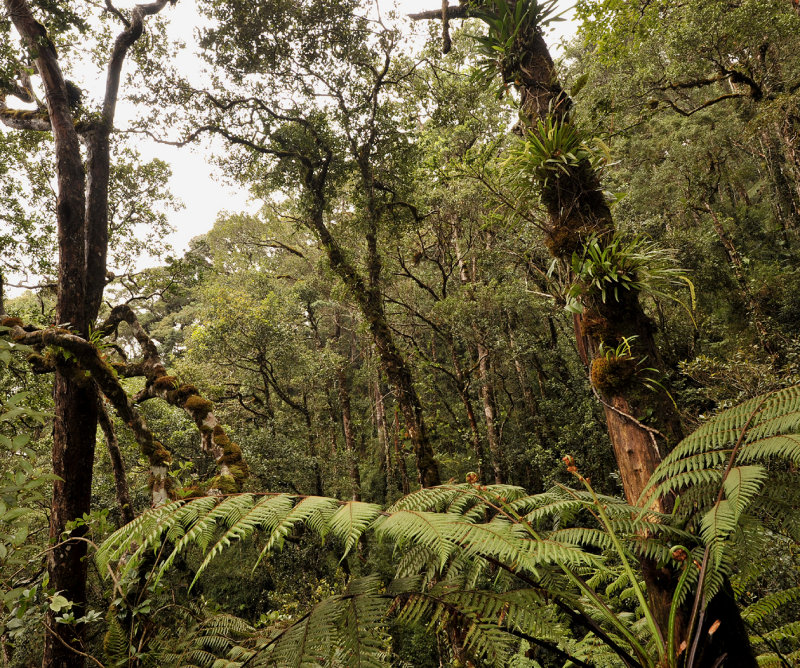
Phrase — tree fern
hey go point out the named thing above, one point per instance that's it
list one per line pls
(500, 564)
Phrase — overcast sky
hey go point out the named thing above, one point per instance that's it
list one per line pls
(195, 182)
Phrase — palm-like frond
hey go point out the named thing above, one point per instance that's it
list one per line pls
(721, 470)
(501, 565)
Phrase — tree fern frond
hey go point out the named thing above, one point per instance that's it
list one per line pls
(790, 631)
(350, 623)
(201, 525)
(146, 527)
(310, 509)
(772, 660)
(350, 521)
(247, 519)
(767, 605)
(419, 527)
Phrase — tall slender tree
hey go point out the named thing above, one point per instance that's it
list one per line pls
(82, 220)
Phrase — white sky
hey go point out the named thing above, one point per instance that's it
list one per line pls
(195, 182)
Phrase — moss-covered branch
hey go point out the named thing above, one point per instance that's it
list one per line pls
(87, 363)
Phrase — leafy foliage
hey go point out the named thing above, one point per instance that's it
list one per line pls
(546, 557)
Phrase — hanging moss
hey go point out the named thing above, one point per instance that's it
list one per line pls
(610, 375)
(165, 383)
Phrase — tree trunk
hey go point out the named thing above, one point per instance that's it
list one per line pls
(463, 393)
(74, 399)
(117, 465)
(405, 487)
(349, 440)
(490, 411)
(383, 436)
(369, 298)
(577, 209)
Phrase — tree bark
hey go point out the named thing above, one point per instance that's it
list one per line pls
(347, 422)
(75, 401)
(577, 209)
(383, 436)
(490, 412)
(81, 215)
(117, 465)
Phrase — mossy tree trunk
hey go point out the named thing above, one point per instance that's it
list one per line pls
(82, 221)
(576, 209)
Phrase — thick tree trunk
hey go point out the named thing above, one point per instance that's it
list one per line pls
(75, 399)
(577, 209)
(74, 434)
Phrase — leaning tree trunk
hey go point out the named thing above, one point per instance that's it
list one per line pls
(576, 210)
(369, 298)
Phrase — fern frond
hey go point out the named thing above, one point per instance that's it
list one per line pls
(245, 521)
(312, 510)
(418, 527)
(350, 521)
(766, 606)
(347, 625)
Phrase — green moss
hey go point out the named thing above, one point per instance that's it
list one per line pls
(179, 396)
(240, 472)
(611, 375)
(192, 491)
(224, 483)
(157, 454)
(165, 383)
(562, 241)
(232, 454)
(198, 406)
(221, 438)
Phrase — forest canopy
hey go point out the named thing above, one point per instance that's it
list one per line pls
(502, 368)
